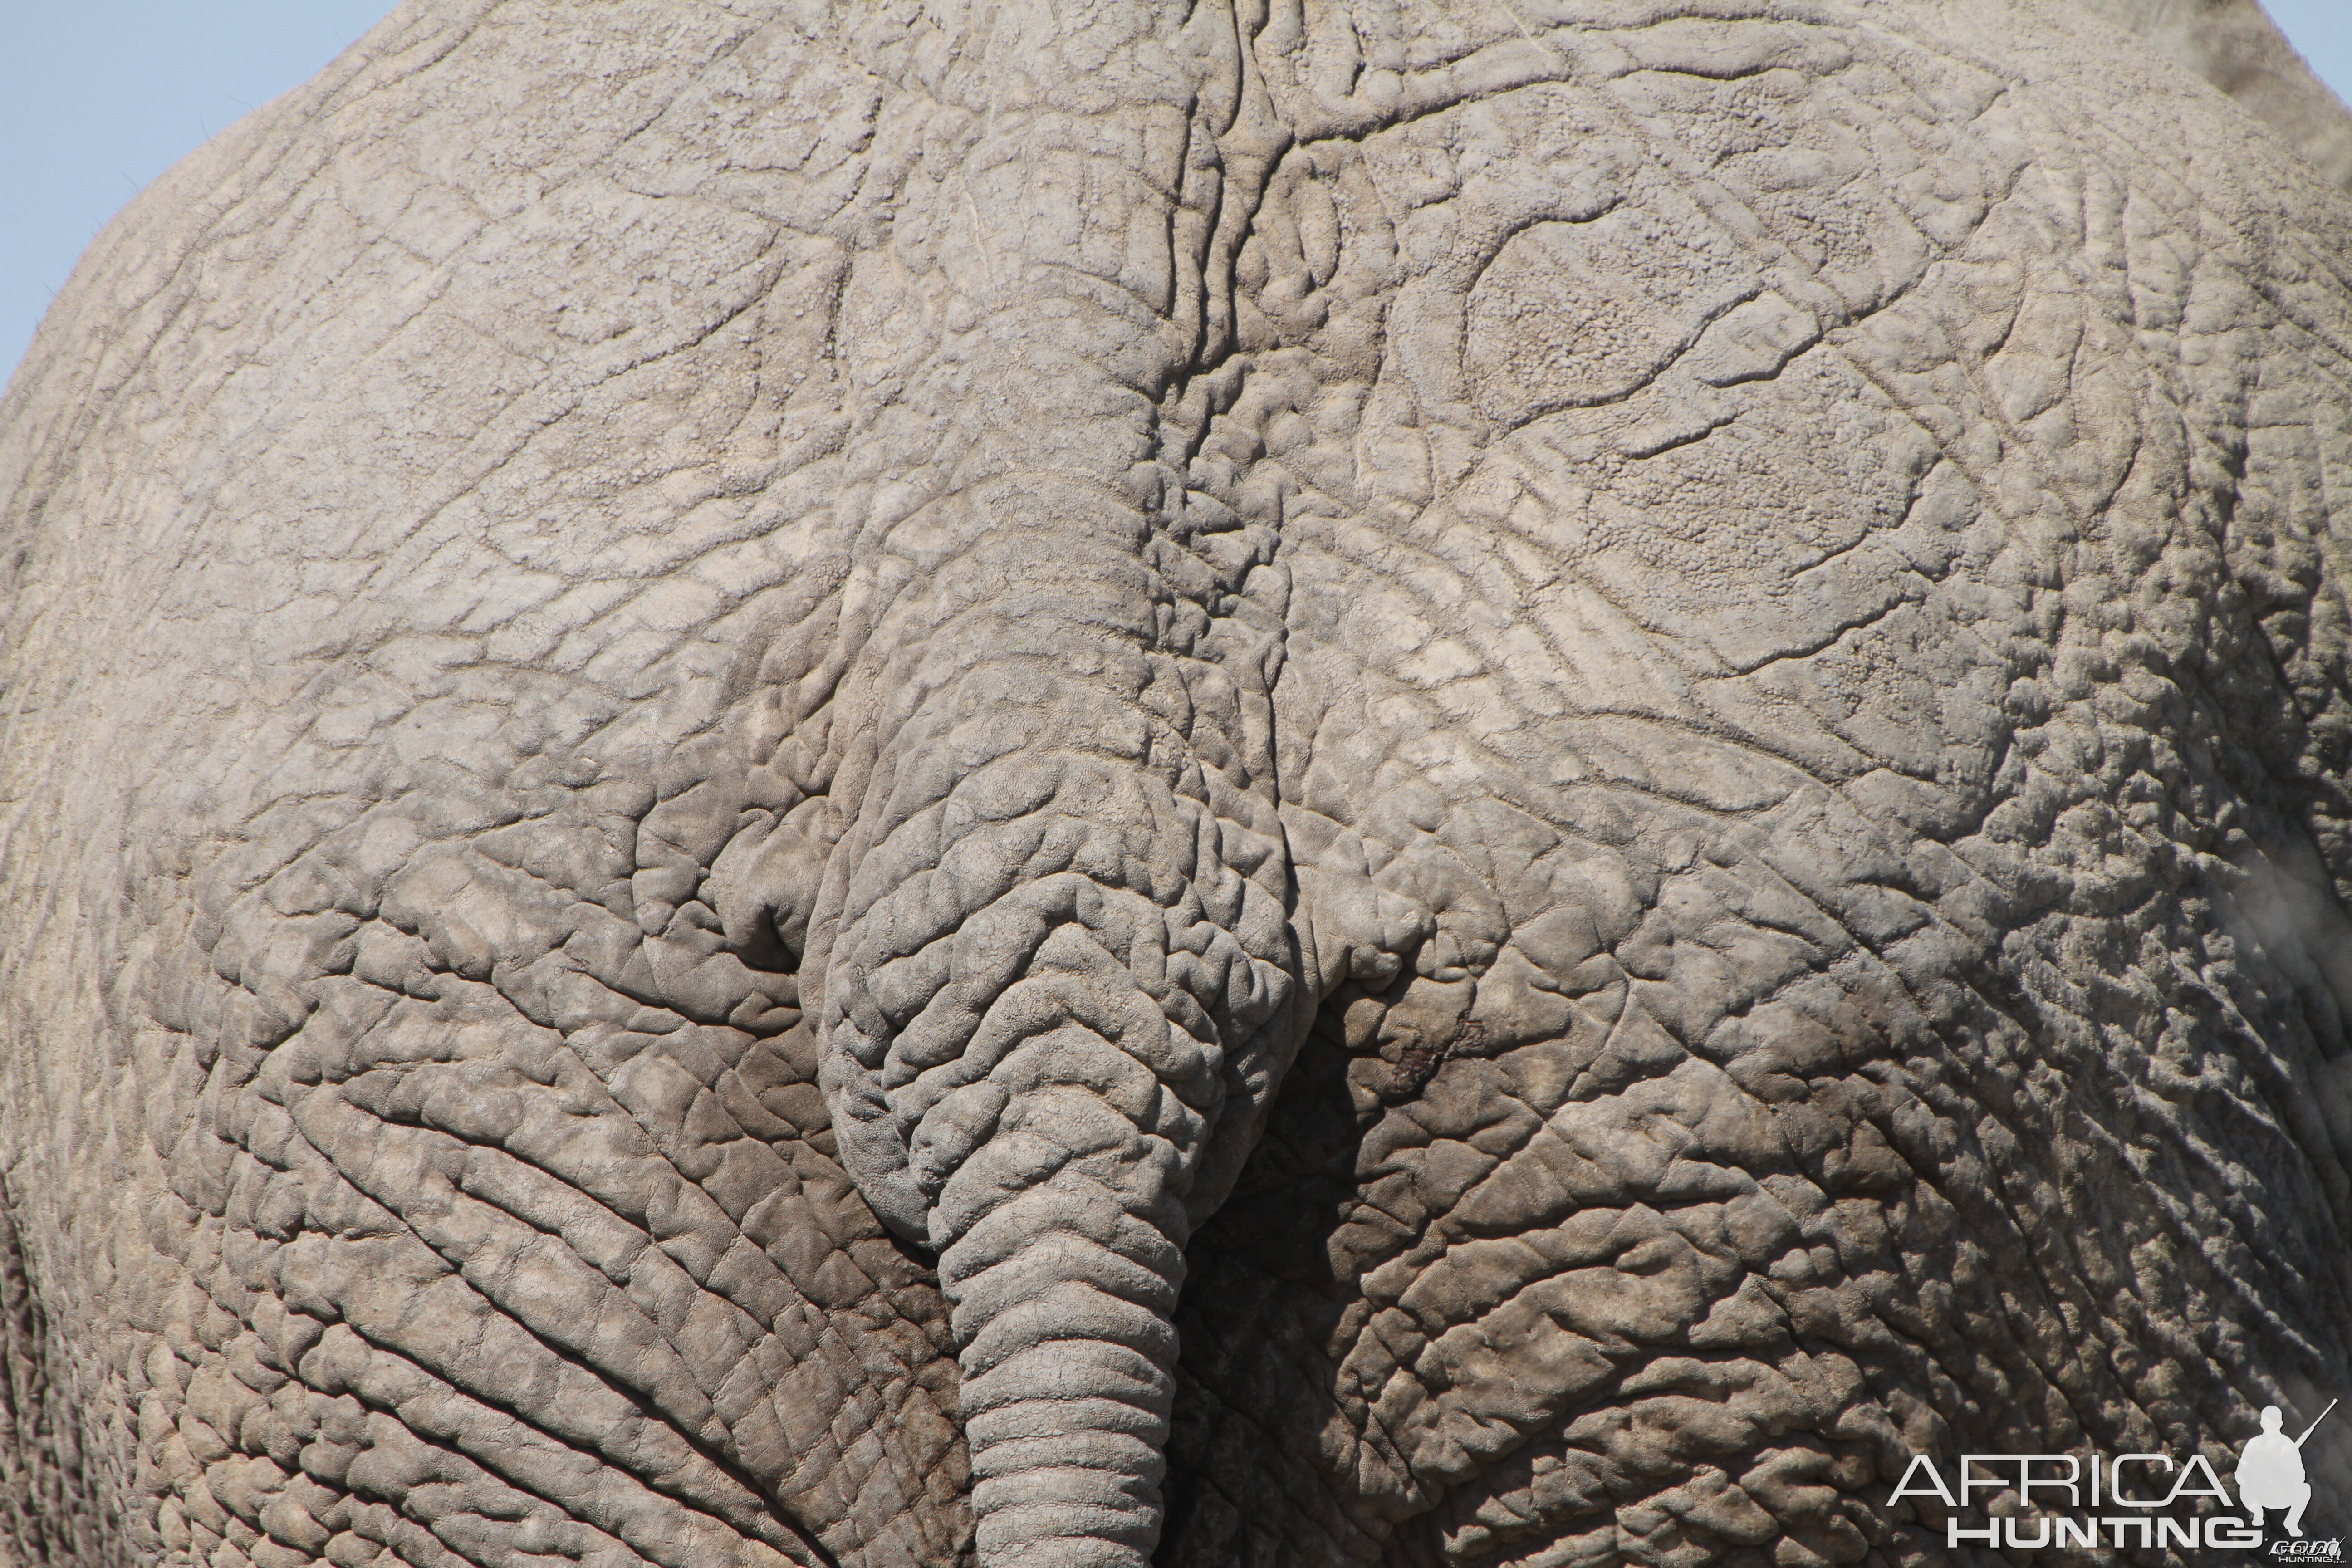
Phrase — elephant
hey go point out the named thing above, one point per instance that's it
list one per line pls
(1298, 782)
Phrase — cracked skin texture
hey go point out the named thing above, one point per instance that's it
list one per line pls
(1418, 785)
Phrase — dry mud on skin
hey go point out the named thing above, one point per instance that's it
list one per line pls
(1417, 784)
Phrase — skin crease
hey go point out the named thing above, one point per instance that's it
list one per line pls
(1478, 784)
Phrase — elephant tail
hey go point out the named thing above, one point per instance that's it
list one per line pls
(1059, 979)
(1061, 986)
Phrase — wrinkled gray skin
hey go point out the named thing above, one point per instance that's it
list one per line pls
(1523, 778)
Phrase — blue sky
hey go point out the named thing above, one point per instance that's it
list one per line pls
(98, 97)
(2322, 29)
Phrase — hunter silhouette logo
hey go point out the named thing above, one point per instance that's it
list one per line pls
(2269, 1472)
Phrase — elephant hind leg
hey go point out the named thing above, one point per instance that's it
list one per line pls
(48, 1517)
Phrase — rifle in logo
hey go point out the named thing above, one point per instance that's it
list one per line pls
(2269, 1472)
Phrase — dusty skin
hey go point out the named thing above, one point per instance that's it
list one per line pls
(1054, 784)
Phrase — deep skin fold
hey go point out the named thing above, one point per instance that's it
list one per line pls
(1775, 984)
